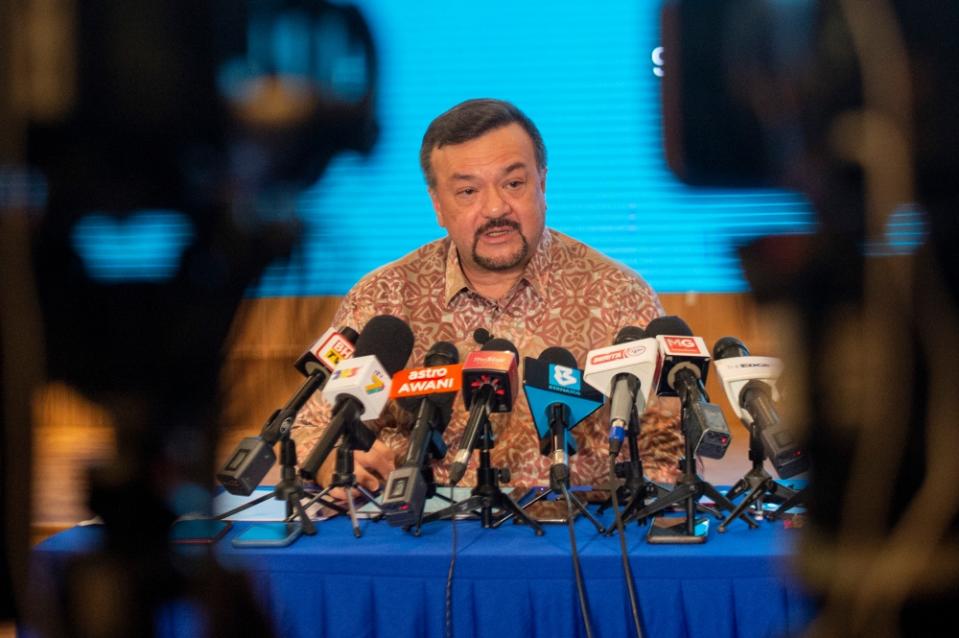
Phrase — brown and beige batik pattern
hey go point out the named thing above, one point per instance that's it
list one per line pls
(570, 295)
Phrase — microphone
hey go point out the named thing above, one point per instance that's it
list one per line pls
(750, 385)
(254, 456)
(359, 387)
(489, 385)
(558, 401)
(481, 336)
(624, 372)
(683, 366)
(332, 347)
(427, 392)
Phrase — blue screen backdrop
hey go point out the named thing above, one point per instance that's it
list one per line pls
(586, 73)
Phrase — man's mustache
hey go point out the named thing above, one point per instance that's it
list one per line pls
(497, 223)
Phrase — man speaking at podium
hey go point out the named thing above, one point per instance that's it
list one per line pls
(499, 272)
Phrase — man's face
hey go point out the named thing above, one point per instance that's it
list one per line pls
(489, 196)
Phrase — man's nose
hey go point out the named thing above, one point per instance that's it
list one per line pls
(497, 205)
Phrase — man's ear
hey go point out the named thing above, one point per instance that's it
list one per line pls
(437, 207)
(542, 179)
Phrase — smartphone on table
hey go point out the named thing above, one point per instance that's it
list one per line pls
(279, 534)
(198, 531)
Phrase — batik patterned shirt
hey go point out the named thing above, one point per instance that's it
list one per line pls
(569, 295)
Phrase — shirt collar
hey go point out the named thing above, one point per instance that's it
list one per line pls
(536, 273)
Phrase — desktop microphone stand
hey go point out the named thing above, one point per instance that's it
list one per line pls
(431, 492)
(635, 488)
(559, 474)
(793, 500)
(757, 482)
(487, 495)
(289, 489)
(688, 490)
(355, 436)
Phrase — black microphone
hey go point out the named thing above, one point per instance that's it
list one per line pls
(359, 387)
(558, 400)
(489, 385)
(481, 336)
(749, 383)
(254, 456)
(432, 411)
(421, 391)
(683, 366)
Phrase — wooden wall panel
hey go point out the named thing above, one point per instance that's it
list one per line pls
(258, 377)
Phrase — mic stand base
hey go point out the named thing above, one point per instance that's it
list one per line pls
(482, 503)
(289, 490)
(417, 529)
(688, 490)
(572, 504)
(344, 477)
(637, 500)
(797, 498)
(761, 487)
(487, 495)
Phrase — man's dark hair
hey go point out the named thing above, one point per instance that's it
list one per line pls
(471, 119)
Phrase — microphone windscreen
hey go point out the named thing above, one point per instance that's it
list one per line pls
(629, 333)
(389, 339)
(442, 353)
(349, 334)
(500, 345)
(729, 347)
(558, 355)
(668, 325)
(481, 336)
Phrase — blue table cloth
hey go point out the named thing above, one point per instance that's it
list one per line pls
(507, 582)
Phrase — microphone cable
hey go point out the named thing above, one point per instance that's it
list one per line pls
(627, 571)
(449, 574)
(580, 586)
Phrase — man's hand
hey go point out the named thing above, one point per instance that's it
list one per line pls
(371, 469)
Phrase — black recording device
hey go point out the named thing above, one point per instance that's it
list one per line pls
(684, 364)
(409, 485)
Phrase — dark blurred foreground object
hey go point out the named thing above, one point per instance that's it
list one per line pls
(856, 104)
(180, 130)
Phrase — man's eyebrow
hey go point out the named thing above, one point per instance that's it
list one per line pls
(506, 171)
(512, 167)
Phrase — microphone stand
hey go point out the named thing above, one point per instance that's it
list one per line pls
(635, 488)
(559, 477)
(487, 495)
(758, 482)
(289, 489)
(688, 490)
(355, 436)
(797, 498)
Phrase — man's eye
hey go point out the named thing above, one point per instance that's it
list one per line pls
(466, 191)
(516, 183)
